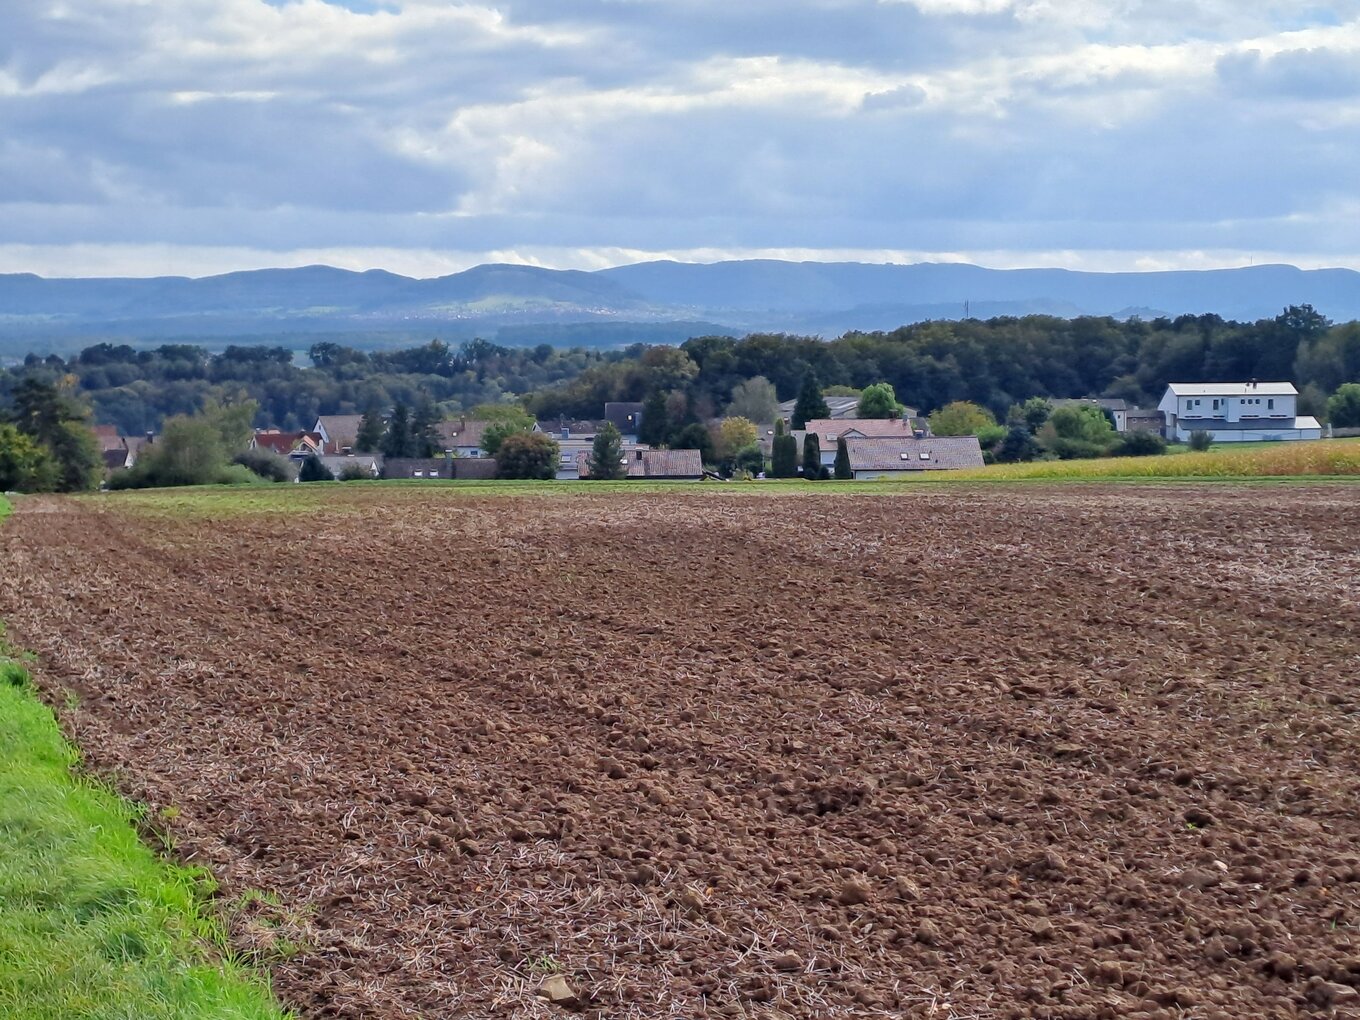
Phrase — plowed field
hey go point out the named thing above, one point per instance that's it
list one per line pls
(1010, 752)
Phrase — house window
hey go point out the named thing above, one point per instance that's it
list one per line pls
(1270, 404)
(1215, 405)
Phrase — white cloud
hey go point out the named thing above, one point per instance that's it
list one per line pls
(557, 130)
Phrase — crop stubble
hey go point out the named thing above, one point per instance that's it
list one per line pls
(1049, 753)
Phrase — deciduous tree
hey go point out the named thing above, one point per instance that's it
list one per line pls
(755, 400)
(961, 418)
(528, 455)
(1343, 406)
(878, 401)
(695, 437)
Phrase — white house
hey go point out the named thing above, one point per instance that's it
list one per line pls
(1236, 412)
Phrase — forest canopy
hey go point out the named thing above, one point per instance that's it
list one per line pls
(994, 363)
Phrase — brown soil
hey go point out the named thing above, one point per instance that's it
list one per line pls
(1015, 752)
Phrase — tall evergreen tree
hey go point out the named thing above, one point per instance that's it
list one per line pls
(370, 436)
(656, 427)
(783, 453)
(811, 404)
(842, 469)
(606, 455)
(812, 457)
(397, 441)
(424, 439)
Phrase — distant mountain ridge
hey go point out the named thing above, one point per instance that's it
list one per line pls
(810, 297)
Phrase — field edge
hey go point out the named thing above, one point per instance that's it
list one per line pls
(92, 919)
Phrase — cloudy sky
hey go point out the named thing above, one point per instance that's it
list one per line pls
(424, 136)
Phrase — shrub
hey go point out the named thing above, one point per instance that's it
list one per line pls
(315, 471)
(267, 464)
(1140, 444)
(354, 473)
(1201, 440)
(1018, 445)
(750, 460)
(527, 455)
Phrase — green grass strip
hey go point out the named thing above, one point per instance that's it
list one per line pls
(93, 925)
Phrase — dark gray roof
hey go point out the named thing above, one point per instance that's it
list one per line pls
(934, 453)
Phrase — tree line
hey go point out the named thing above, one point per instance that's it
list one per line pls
(994, 363)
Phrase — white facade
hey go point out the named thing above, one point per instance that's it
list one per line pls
(1236, 412)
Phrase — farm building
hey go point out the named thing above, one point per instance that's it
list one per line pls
(1236, 412)
(906, 455)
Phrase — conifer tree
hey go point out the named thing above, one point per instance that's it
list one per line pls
(606, 455)
(397, 441)
(655, 428)
(424, 439)
(783, 453)
(811, 404)
(812, 456)
(843, 460)
(370, 436)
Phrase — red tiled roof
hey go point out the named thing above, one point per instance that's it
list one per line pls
(284, 443)
(830, 429)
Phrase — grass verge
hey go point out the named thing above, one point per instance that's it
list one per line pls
(93, 925)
